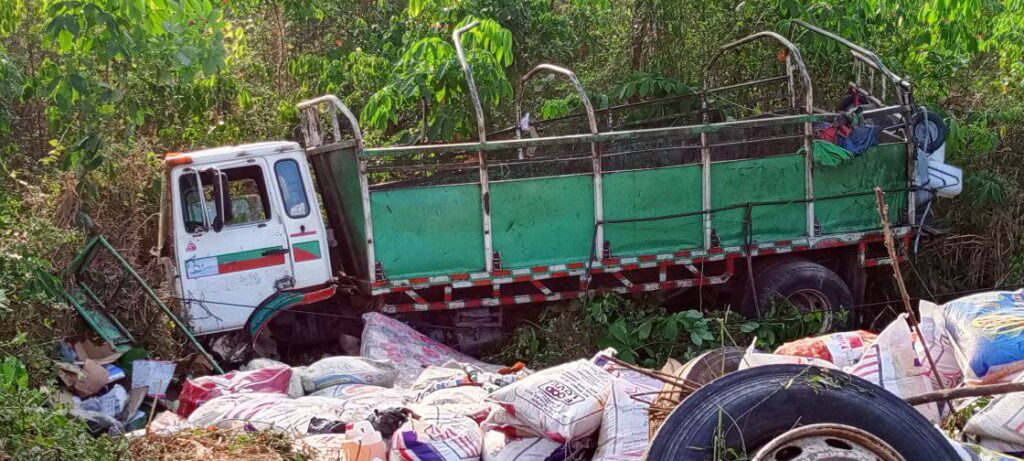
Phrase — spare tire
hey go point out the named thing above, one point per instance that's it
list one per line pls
(929, 131)
(743, 411)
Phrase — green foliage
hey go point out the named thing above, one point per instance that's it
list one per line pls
(427, 80)
(646, 334)
(109, 56)
(34, 426)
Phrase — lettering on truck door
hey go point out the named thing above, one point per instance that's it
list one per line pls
(226, 274)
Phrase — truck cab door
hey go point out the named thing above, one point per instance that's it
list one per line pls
(301, 217)
(231, 245)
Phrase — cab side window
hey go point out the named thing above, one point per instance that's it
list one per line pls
(293, 192)
(245, 198)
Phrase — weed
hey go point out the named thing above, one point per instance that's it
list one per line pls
(644, 333)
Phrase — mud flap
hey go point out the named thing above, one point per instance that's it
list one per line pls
(280, 302)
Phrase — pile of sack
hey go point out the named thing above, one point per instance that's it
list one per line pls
(408, 397)
(978, 339)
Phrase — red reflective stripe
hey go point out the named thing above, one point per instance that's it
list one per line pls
(248, 264)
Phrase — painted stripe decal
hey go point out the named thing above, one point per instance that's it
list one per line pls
(233, 262)
(306, 251)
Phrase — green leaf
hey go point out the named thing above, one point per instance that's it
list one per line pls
(618, 331)
(13, 375)
(749, 327)
(65, 40)
(183, 58)
(644, 331)
(669, 330)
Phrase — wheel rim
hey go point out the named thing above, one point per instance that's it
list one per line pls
(821, 442)
(811, 300)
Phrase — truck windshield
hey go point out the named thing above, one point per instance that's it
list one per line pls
(246, 199)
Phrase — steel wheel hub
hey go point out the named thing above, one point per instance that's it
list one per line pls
(811, 300)
(827, 442)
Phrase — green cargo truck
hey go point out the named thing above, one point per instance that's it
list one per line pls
(695, 190)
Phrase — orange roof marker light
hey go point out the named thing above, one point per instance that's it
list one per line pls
(174, 159)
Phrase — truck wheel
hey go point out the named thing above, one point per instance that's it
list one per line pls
(809, 286)
(746, 411)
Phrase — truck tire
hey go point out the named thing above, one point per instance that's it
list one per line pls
(929, 131)
(744, 411)
(807, 285)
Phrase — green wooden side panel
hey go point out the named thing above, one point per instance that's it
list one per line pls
(650, 193)
(428, 230)
(883, 165)
(343, 171)
(759, 180)
(543, 221)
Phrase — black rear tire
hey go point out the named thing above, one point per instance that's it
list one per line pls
(747, 409)
(929, 131)
(808, 285)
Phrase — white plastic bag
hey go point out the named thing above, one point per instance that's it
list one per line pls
(334, 371)
(562, 402)
(438, 435)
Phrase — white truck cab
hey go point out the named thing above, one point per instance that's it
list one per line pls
(246, 225)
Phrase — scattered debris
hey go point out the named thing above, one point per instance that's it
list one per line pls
(409, 397)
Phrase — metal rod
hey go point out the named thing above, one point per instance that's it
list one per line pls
(307, 105)
(466, 69)
(871, 57)
(152, 295)
(511, 144)
(485, 182)
(96, 299)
